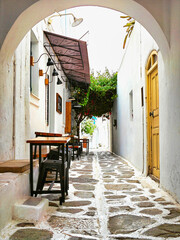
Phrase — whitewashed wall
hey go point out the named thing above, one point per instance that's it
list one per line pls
(20, 115)
(29, 112)
(170, 110)
(130, 134)
(101, 136)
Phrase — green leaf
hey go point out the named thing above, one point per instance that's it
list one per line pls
(100, 96)
(125, 39)
(130, 27)
(124, 16)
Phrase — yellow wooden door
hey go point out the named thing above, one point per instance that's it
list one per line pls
(154, 123)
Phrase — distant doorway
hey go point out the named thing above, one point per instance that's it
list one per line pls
(153, 115)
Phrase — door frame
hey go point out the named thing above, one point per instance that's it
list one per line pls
(152, 64)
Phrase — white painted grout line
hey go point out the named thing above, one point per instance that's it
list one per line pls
(100, 200)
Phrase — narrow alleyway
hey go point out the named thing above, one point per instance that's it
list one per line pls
(107, 199)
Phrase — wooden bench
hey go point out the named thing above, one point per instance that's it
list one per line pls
(16, 166)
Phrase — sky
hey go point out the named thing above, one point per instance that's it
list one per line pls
(105, 35)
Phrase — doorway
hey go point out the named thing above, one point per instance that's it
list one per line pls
(153, 115)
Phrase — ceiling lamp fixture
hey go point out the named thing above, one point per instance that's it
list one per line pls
(76, 22)
(50, 62)
(55, 73)
(71, 98)
(76, 106)
(59, 82)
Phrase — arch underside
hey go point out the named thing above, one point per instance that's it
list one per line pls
(41, 9)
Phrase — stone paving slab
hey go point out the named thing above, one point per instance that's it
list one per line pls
(69, 210)
(84, 187)
(81, 238)
(152, 211)
(127, 223)
(107, 200)
(68, 223)
(173, 213)
(165, 230)
(76, 203)
(31, 234)
(127, 238)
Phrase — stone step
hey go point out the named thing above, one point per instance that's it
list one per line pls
(30, 208)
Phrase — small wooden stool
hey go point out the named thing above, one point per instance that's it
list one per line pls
(51, 165)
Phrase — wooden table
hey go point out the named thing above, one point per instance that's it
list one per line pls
(44, 151)
(60, 142)
(46, 134)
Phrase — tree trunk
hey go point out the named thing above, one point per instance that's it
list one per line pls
(78, 129)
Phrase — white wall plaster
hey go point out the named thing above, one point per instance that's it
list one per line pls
(129, 134)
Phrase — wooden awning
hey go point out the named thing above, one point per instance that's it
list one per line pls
(71, 54)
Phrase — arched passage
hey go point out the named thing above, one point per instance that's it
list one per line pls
(41, 9)
(15, 26)
(161, 19)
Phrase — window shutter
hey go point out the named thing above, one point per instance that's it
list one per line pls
(68, 117)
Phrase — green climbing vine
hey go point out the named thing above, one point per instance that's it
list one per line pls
(98, 99)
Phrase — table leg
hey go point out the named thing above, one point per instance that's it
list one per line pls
(67, 166)
(63, 178)
(39, 155)
(73, 147)
(87, 150)
(31, 168)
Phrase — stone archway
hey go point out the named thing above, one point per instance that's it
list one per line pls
(24, 17)
(161, 19)
(29, 15)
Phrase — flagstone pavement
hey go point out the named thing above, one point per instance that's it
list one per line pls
(109, 200)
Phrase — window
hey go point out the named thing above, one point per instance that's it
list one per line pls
(58, 103)
(131, 104)
(152, 60)
(34, 70)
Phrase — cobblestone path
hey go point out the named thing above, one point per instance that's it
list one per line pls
(107, 200)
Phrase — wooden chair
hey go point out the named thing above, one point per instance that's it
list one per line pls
(76, 146)
(85, 144)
